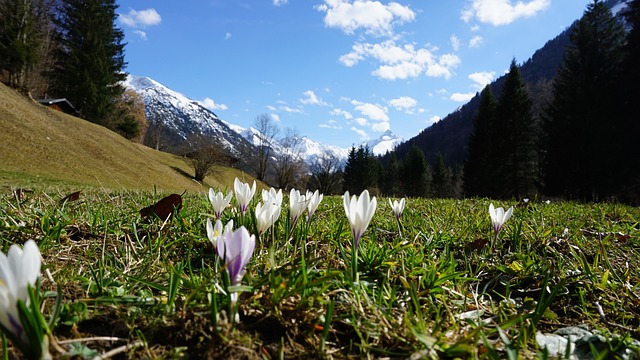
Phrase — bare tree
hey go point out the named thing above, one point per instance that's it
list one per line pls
(268, 130)
(326, 174)
(204, 152)
(289, 165)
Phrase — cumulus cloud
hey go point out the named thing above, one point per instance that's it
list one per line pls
(402, 61)
(312, 99)
(462, 97)
(372, 111)
(403, 103)
(280, 2)
(339, 112)
(361, 133)
(481, 79)
(211, 105)
(502, 12)
(275, 117)
(381, 126)
(373, 17)
(288, 109)
(142, 18)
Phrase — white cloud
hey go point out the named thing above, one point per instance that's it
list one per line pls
(403, 103)
(481, 79)
(381, 126)
(476, 41)
(372, 111)
(227, 36)
(339, 112)
(502, 12)
(271, 108)
(434, 119)
(312, 99)
(402, 62)
(455, 42)
(361, 121)
(373, 17)
(290, 109)
(462, 97)
(211, 105)
(142, 18)
(363, 135)
(331, 124)
(280, 2)
(275, 117)
(142, 34)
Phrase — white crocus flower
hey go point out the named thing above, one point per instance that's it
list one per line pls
(216, 232)
(313, 199)
(499, 217)
(266, 215)
(272, 196)
(219, 201)
(359, 211)
(397, 207)
(297, 205)
(19, 269)
(244, 194)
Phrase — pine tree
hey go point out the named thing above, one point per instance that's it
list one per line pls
(515, 150)
(90, 58)
(441, 183)
(416, 175)
(630, 127)
(18, 39)
(391, 184)
(478, 168)
(582, 123)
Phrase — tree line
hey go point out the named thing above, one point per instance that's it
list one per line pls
(70, 49)
(583, 146)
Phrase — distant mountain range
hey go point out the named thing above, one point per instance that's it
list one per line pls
(173, 119)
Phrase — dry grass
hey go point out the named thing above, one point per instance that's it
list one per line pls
(44, 147)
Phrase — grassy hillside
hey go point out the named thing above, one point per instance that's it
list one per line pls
(44, 147)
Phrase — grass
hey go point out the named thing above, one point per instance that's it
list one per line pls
(154, 290)
(44, 147)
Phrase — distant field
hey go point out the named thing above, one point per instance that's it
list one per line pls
(428, 286)
(43, 147)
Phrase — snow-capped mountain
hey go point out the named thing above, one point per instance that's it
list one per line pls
(385, 143)
(177, 117)
(308, 149)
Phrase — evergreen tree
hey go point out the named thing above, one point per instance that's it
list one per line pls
(90, 57)
(582, 122)
(630, 177)
(415, 173)
(478, 169)
(515, 135)
(24, 38)
(391, 184)
(441, 184)
(361, 170)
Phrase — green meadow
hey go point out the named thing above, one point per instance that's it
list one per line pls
(428, 286)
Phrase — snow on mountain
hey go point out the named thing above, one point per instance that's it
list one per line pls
(385, 143)
(180, 117)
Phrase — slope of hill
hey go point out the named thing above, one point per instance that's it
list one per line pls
(44, 147)
(449, 135)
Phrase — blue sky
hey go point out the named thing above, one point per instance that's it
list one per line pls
(337, 71)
